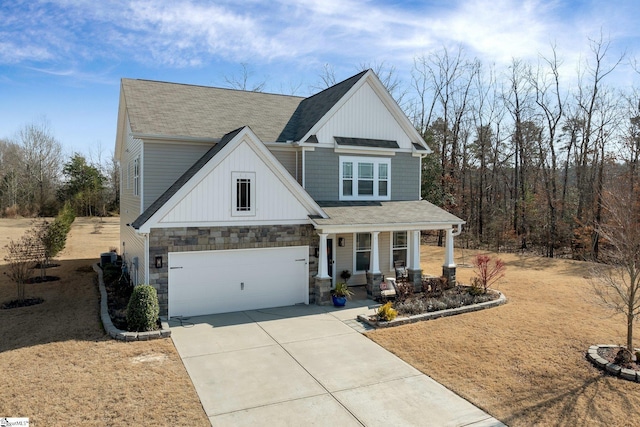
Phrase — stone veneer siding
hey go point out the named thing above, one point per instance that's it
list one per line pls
(186, 239)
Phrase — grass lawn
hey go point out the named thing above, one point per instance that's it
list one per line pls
(59, 368)
(524, 362)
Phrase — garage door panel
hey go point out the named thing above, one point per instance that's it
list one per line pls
(207, 282)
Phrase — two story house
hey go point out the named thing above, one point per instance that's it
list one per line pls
(235, 200)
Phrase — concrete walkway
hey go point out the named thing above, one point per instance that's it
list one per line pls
(311, 366)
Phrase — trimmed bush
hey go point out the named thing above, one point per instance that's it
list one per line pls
(386, 312)
(143, 309)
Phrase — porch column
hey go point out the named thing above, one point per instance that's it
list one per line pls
(322, 285)
(414, 272)
(414, 253)
(449, 267)
(375, 257)
(323, 270)
(374, 276)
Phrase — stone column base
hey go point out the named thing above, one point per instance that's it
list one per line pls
(415, 277)
(373, 285)
(450, 274)
(322, 291)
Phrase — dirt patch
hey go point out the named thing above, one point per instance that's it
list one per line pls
(59, 367)
(17, 303)
(524, 362)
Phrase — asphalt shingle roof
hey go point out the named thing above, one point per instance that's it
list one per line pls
(180, 110)
(388, 213)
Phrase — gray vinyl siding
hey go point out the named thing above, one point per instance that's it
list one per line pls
(405, 177)
(290, 159)
(322, 175)
(164, 163)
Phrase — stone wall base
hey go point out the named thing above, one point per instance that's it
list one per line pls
(373, 285)
(415, 277)
(322, 291)
(450, 274)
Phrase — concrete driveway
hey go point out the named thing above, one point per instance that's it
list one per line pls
(311, 366)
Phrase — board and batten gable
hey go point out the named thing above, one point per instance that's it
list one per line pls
(364, 115)
(132, 245)
(209, 201)
(164, 162)
(322, 175)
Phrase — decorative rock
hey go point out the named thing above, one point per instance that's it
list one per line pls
(613, 368)
(628, 374)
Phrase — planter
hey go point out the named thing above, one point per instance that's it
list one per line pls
(339, 301)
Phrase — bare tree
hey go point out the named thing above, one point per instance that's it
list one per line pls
(42, 160)
(21, 257)
(617, 283)
(327, 78)
(242, 81)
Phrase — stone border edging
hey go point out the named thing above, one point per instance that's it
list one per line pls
(119, 334)
(603, 364)
(434, 314)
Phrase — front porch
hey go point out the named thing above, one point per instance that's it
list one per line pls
(371, 239)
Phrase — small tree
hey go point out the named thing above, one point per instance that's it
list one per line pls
(20, 259)
(489, 270)
(617, 283)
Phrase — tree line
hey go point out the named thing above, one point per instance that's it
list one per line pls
(36, 179)
(527, 155)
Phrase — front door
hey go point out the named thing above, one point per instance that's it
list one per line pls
(330, 257)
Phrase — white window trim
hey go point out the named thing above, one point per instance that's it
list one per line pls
(136, 176)
(376, 179)
(251, 176)
(393, 247)
(355, 252)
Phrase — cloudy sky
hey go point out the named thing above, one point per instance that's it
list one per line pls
(62, 60)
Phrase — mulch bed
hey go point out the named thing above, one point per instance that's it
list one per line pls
(609, 354)
(16, 303)
(42, 279)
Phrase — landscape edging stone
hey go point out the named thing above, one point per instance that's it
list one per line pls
(119, 334)
(433, 314)
(611, 368)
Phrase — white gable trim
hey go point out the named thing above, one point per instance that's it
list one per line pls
(387, 100)
(247, 136)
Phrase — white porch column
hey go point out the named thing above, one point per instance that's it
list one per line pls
(375, 257)
(323, 271)
(449, 261)
(414, 250)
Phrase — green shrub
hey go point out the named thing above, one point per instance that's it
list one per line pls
(386, 312)
(143, 309)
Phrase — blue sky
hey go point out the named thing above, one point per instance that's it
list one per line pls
(62, 60)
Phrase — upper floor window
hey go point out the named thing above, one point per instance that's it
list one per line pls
(136, 176)
(243, 193)
(364, 178)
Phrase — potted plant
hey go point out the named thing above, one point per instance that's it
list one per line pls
(340, 294)
(345, 275)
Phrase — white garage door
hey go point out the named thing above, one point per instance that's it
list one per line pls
(207, 282)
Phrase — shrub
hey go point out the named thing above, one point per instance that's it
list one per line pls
(143, 309)
(404, 290)
(386, 312)
(411, 307)
(111, 273)
(489, 270)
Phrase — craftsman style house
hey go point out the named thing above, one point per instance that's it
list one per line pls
(234, 200)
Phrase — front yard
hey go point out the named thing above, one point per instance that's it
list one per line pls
(523, 362)
(59, 368)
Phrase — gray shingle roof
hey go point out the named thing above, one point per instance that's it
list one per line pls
(172, 109)
(312, 109)
(418, 212)
(366, 142)
(164, 198)
(180, 110)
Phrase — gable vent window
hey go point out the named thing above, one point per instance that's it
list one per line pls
(243, 197)
(136, 176)
(365, 178)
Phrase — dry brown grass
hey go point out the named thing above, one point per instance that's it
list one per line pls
(524, 362)
(59, 368)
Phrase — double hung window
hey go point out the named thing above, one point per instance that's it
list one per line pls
(363, 251)
(364, 178)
